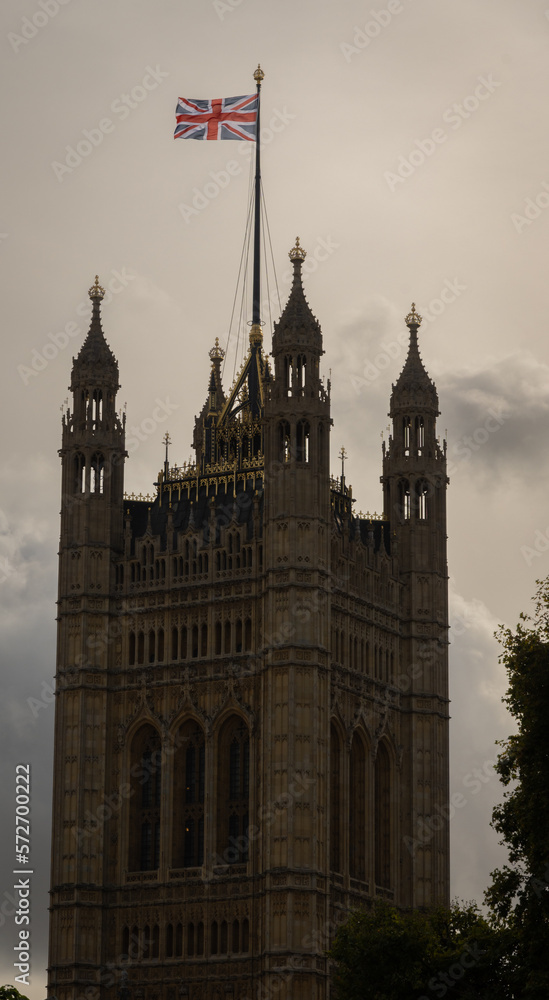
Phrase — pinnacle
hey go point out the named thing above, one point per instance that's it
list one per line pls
(297, 322)
(414, 386)
(95, 357)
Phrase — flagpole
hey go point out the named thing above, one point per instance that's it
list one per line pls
(256, 316)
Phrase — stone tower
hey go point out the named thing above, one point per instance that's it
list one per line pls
(252, 712)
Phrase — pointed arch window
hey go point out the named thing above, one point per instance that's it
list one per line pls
(300, 371)
(420, 434)
(288, 374)
(406, 432)
(335, 800)
(97, 479)
(233, 791)
(423, 491)
(404, 500)
(357, 809)
(383, 826)
(283, 441)
(79, 473)
(303, 439)
(97, 407)
(188, 831)
(146, 772)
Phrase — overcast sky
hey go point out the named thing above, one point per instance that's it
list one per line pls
(406, 143)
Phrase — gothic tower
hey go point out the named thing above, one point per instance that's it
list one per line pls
(414, 481)
(251, 719)
(92, 460)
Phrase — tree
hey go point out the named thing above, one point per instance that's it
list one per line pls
(519, 894)
(391, 954)
(8, 992)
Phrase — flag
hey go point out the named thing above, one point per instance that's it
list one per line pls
(222, 118)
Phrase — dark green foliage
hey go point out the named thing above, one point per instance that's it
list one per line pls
(8, 992)
(519, 894)
(389, 954)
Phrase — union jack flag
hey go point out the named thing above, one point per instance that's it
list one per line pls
(222, 118)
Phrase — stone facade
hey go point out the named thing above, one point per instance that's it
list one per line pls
(252, 703)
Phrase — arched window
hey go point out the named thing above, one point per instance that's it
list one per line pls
(79, 473)
(200, 939)
(160, 646)
(151, 645)
(97, 406)
(97, 481)
(169, 941)
(233, 791)
(131, 651)
(284, 441)
(125, 944)
(300, 369)
(175, 642)
(189, 780)
(357, 810)
(245, 935)
(303, 436)
(213, 938)
(404, 500)
(423, 491)
(288, 374)
(204, 640)
(155, 942)
(383, 831)
(218, 635)
(223, 938)
(420, 435)
(194, 644)
(183, 648)
(227, 643)
(179, 940)
(406, 434)
(238, 636)
(140, 647)
(146, 775)
(190, 940)
(335, 800)
(235, 944)
(248, 634)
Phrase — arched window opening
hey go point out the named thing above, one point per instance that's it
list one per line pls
(227, 643)
(303, 437)
(146, 776)
(79, 473)
(134, 944)
(218, 638)
(155, 949)
(248, 634)
(189, 783)
(204, 640)
(406, 427)
(383, 830)
(283, 441)
(97, 480)
(151, 645)
(146, 949)
(169, 941)
(141, 647)
(131, 651)
(213, 938)
(190, 940)
(335, 800)
(175, 642)
(200, 939)
(357, 810)
(233, 791)
(245, 935)
(405, 506)
(420, 435)
(235, 943)
(238, 636)
(183, 648)
(288, 374)
(223, 938)
(160, 646)
(194, 644)
(422, 493)
(97, 406)
(301, 364)
(179, 940)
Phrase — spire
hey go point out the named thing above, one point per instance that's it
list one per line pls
(297, 326)
(215, 388)
(95, 357)
(413, 387)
